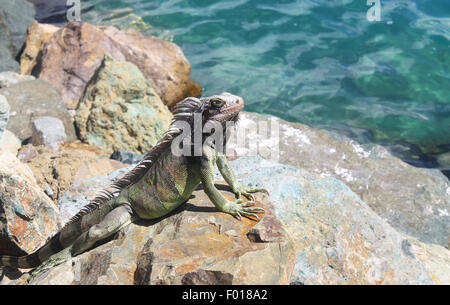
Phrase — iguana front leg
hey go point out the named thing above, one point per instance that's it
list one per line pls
(231, 207)
(228, 174)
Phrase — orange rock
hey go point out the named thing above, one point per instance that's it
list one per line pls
(73, 162)
(73, 54)
(28, 216)
(38, 35)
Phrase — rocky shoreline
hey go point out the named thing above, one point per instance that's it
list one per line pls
(80, 104)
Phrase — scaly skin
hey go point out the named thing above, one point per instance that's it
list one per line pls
(155, 187)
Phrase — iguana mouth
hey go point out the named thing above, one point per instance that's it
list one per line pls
(232, 113)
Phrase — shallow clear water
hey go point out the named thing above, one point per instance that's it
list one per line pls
(321, 62)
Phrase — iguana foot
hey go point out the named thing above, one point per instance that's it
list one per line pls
(248, 192)
(246, 209)
(53, 261)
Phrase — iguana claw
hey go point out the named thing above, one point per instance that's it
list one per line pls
(248, 192)
(238, 210)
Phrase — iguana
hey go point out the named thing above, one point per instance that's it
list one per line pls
(157, 185)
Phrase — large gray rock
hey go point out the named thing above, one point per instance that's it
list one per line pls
(48, 131)
(79, 193)
(415, 201)
(127, 157)
(9, 142)
(10, 78)
(339, 239)
(7, 62)
(32, 99)
(4, 114)
(15, 18)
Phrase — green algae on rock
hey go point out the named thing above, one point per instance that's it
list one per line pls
(120, 109)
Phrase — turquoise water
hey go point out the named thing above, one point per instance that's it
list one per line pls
(320, 62)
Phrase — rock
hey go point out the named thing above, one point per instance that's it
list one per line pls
(338, 237)
(120, 110)
(7, 62)
(48, 190)
(78, 194)
(15, 17)
(30, 100)
(4, 114)
(10, 78)
(28, 216)
(70, 164)
(126, 157)
(162, 62)
(196, 244)
(415, 201)
(27, 152)
(49, 132)
(73, 54)
(315, 231)
(207, 277)
(444, 159)
(10, 143)
(435, 259)
(38, 35)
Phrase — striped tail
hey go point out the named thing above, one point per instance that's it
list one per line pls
(91, 215)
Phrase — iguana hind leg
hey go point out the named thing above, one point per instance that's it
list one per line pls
(113, 222)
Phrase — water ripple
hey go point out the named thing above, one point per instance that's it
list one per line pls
(321, 62)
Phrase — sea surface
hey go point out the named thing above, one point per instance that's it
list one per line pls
(317, 62)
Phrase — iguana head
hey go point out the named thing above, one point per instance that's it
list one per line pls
(222, 108)
(219, 108)
(206, 115)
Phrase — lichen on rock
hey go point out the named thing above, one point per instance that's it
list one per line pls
(120, 110)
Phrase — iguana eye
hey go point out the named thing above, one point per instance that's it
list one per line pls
(217, 103)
